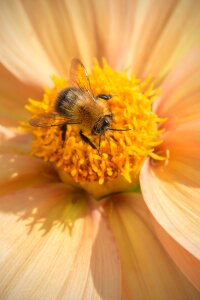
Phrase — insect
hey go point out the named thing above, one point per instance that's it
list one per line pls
(78, 105)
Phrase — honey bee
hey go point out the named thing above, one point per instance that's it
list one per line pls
(78, 105)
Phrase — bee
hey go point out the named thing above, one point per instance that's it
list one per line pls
(78, 105)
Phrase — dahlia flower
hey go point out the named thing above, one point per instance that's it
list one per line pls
(124, 222)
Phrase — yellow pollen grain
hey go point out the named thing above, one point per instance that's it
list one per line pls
(121, 152)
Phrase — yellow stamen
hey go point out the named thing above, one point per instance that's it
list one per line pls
(122, 152)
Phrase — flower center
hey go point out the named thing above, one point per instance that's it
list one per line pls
(121, 152)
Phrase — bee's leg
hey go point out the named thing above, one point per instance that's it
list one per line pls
(63, 128)
(104, 96)
(87, 140)
(99, 144)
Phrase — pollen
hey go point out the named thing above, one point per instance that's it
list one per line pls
(121, 152)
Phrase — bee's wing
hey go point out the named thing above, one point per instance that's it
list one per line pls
(79, 76)
(52, 119)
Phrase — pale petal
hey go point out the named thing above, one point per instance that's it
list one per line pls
(47, 35)
(86, 29)
(60, 31)
(171, 190)
(59, 248)
(163, 32)
(113, 26)
(187, 263)
(147, 271)
(13, 96)
(13, 140)
(54, 29)
(21, 52)
(181, 91)
(21, 171)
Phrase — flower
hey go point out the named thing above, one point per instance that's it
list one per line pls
(85, 163)
(57, 241)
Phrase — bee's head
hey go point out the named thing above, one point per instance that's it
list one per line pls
(102, 124)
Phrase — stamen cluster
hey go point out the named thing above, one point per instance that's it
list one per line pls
(121, 153)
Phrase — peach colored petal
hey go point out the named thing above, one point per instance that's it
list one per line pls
(13, 140)
(171, 192)
(54, 29)
(163, 32)
(181, 91)
(113, 26)
(187, 263)
(103, 30)
(184, 141)
(20, 171)
(21, 52)
(13, 96)
(59, 248)
(147, 271)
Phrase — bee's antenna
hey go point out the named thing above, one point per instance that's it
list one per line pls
(119, 129)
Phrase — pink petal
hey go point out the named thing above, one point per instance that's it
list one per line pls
(147, 271)
(162, 33)
(187, 263)
(172, 191)
(53, 246)
(181, 91)
(112, 32)
(72, 33)
(21, 51)
(13, 140)
(13, 96)
(20, 171)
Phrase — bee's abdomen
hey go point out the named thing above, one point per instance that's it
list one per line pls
(65, 101)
